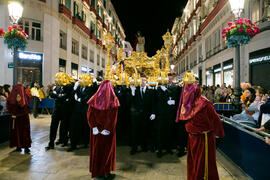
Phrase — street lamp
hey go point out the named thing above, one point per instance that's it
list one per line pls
(15, 10)
(237, 7)
(109, 43)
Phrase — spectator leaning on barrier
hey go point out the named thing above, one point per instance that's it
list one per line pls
(218, 93)
(265, 127)
(35, 98)
(41, 92)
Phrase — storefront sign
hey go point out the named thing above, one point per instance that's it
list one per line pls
(10, 65)
(228, 67)
(30, 56)
(260, 59)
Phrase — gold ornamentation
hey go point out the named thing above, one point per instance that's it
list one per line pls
(183, 110)
(189, 78)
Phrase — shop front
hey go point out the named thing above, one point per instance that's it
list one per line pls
(217, 74)
(259, 68)
(62, 65)
(74, 70)
(228, 72)
(209, 77)
(29, 67)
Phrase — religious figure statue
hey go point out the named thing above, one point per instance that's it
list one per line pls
(140, 42)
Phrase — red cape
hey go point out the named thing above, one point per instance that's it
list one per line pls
(102, 113)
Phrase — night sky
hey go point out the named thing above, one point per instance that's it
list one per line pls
(151, 17)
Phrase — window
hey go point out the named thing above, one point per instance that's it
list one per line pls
(104, 4)
(63, 40)
(100, 11)
(67, 3)
(75, 9)
(84, 52)
(255, 11)
(83, 18)
(92, 56)
(31, 28)
(98, 34)
(103, 62)
(93, 3)
(92, 27)
(98, 60)
(75, 47)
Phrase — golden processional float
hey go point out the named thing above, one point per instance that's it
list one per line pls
(127, 70)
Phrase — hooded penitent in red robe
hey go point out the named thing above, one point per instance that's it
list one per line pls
(102, 114)
(203, 125)
(18, 107)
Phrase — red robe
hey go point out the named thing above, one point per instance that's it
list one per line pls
(102, 113)
(206, 120)
(19, 126)
(202, 122)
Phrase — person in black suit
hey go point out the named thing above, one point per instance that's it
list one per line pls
(79, 129)
(179, 132)
(141, 114)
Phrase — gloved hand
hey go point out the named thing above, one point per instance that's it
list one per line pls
(95, 131)
(105, 132)
(163, 88)
(152, 117)
(76, 98)
(76, 85)
(171, 101)
(133, 88)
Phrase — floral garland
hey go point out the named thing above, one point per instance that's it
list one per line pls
(14, 37)
(240, 32)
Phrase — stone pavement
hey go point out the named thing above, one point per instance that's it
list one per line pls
(61, 165)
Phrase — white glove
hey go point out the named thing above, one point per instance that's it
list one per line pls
(163, 88)
(76, 85)
(76, 98)
(171, 101)
(95, 131)
(132, 90)
(105, 132)
(116, 77)
(152, 117)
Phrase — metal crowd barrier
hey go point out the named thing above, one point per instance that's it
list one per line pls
(220, 106)
(246, 148)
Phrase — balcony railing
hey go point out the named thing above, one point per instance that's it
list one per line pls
(63, 9)
(80, 24)
(92, 8)
(93, 36)
(99, 42)
(99, 18)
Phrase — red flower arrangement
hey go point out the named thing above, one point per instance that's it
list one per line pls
(240, 32)
(14, 37)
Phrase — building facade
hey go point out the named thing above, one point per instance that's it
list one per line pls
(199, 46)
(64, 36)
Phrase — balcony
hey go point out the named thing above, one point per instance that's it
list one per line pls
(80, 24)
(87, 2)
(63, 9)
(93, 36)
(105, 26)
(99, 18)
(99, 42)
(92, 8)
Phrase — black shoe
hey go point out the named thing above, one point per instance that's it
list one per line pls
(18, 149)
(100, 178)
(133, 151)
(27, 150)
(49, 147)
(64, 144)
(169, 151)
(181, 153)
(58, 142)
(144, 149)
(71, 149)
(159, 154)
(110, 176)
